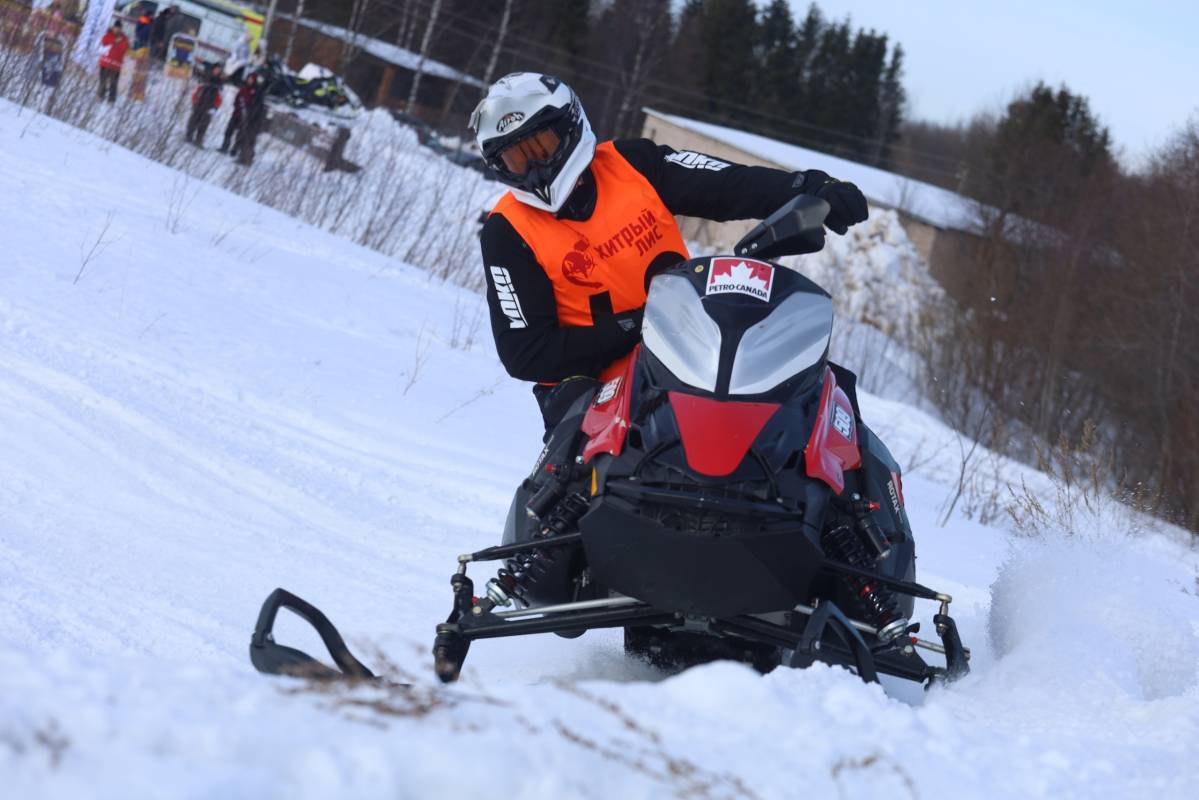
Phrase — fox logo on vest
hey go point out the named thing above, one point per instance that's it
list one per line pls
(578, 264)
(741, 275)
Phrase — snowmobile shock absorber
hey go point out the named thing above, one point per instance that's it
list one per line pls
(521, 572)
(882, 610)
(870, 534)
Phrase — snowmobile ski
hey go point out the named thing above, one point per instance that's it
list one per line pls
(272, 658)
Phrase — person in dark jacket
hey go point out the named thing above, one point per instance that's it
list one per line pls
(112, 56)
(569, 251)
(205, 102)
(233, 131)
(143, 28)
(160, 32)
(253, 121)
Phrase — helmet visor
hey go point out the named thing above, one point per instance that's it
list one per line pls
(539, 146)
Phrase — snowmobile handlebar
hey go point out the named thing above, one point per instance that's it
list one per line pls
(794, 229)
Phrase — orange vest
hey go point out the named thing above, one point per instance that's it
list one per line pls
(606, 254)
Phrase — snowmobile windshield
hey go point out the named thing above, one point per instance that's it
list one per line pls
(793, 338)
(679, 332)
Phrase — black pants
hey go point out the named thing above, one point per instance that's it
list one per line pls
(247, 138)
(230, 131)
(108, 83)
(197, 126)
(556, 400)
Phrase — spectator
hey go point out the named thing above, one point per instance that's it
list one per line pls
(205, 101)
(238, 64)
(112, 56)
(253, 120)
(233, 130)
(159, 36)
(144, 27)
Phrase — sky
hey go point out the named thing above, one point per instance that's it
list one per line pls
(1136, 62)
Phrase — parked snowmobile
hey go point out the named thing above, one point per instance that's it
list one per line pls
(717, 496)
(313, 88)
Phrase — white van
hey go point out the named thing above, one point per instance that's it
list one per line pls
(214, 22)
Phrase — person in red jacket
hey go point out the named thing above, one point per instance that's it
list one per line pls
(205, 101)
(112, 55)
(242, 101)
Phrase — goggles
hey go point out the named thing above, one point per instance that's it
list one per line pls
(538, 147)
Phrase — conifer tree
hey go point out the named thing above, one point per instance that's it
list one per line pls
(779, 83)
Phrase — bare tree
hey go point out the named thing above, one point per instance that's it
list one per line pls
(424, 52)
(291, 33)
(499, 43)
(351, 49)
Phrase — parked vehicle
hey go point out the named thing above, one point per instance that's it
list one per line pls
(214, 22)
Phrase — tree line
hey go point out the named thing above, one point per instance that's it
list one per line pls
(1078, 307)
(815, 81)
(1080, 302)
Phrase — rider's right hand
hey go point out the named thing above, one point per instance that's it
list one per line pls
(847, 204)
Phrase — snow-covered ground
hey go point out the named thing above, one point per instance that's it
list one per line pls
(201, 403)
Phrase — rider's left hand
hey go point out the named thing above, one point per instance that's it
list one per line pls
(847, 204)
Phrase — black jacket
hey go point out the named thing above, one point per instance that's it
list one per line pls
(689, 184)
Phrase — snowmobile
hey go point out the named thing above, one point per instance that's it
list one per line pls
(313, 87)
(715, 494)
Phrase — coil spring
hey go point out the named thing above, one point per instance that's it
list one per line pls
(879, 603)
(520, 573)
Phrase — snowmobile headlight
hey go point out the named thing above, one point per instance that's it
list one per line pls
(677, 329)
(793, 338)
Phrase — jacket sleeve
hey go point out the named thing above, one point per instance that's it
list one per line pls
(697, 185)
(524, 315)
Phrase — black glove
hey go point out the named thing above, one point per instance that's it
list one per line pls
(847, 205)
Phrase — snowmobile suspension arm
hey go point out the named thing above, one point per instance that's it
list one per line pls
(509, 550)
(492, 628)
(906, 587)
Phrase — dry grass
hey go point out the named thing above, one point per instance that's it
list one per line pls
(405, 203)
(47, 738)
(646, 754)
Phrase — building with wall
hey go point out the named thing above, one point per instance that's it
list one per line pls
(380, 72)
(941, 224)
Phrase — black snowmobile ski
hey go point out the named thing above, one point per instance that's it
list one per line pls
(272, 658)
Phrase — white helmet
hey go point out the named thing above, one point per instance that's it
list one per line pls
(534, 135)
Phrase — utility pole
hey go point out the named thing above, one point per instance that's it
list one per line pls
(424, 51)
(291, 36)
(266, 26)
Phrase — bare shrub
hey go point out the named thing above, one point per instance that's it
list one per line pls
(464, 327)
(179, 200)
(420, 354)
(486, 391)
(47, 737)
(873, 761)
(647, 754)
(1081, 502)
(407, 202)
(98, 246)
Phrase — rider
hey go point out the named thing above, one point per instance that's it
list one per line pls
(569, 251)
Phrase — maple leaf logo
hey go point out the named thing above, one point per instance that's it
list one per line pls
(741, 275)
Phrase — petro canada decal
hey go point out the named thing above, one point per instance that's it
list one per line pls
(740, 275)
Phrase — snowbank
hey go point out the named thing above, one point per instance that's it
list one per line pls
(199, 405)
